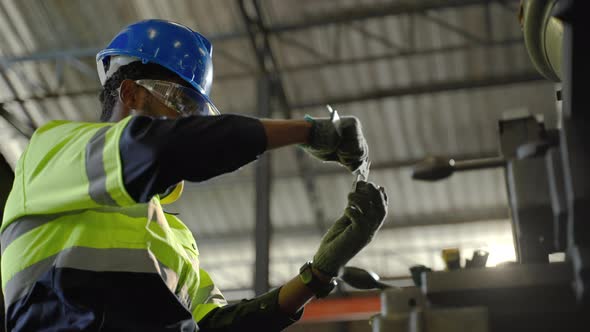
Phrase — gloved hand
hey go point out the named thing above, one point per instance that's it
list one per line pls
(365, 213)
(326, 144)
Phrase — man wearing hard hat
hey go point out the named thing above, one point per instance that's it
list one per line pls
(85, 243)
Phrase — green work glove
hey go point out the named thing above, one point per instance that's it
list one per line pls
(326, 144)
(366, 210)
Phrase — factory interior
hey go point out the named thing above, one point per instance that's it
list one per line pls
(472, 111)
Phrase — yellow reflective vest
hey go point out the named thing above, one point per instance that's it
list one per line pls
(69, 208)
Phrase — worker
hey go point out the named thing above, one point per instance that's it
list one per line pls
(86, 245)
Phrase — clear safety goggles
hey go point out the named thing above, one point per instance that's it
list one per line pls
(182, 99)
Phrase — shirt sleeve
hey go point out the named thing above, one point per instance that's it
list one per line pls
(261, 313)
(157, 153)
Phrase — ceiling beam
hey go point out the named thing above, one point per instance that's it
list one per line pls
(358, 13)
(319, 65)
(91, 52)
(336, 17)
(427, 88)
(459, 30)
(327, 169)
(54, 95)
(22, 128)
(307, 229)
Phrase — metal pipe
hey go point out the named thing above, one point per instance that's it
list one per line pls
(437, 168)
(473, 164)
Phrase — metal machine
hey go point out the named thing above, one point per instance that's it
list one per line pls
(548, 184)
(519, 297)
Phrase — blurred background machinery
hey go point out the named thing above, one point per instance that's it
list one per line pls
(426, 78)
(547, 185)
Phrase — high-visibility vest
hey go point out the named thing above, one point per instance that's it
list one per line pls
(69, 209)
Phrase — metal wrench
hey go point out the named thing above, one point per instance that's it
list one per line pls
(335, 119)
(361, 173)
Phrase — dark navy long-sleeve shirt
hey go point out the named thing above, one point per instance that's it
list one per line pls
(158, 153)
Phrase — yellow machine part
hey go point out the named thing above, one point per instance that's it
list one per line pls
(543, 36)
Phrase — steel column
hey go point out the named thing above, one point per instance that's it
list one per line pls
(269, 66)
(263, 186)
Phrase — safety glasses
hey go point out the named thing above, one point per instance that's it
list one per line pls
(184, 100)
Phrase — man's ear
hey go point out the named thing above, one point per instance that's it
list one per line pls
(128, 94)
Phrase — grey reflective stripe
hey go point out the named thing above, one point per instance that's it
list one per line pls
(97, 176)
(169, 276)
(20, 284)
(90, 259)
(18, 228)
(183, 296)
(216, 297)
(25, 224)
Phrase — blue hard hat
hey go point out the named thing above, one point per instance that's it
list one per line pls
(171, 45)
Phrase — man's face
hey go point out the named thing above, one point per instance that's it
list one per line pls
(142, 102)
